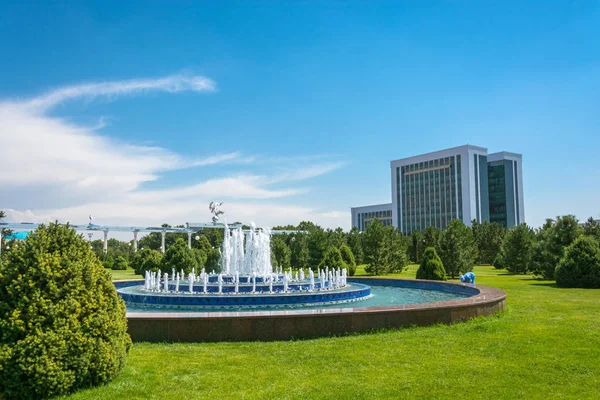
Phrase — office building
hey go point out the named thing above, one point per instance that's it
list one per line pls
(464, 182)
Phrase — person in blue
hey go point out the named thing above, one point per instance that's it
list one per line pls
(469, 277)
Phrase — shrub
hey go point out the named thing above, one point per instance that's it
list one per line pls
(348, 258)
(580, 266)
(200, 256)
(62, 324)
(213, 261)
(498, 262)
(280, 253)
(517, 248)
(151, 261)
(431, 266)
(180, 257)
(120, 264)
(332, 258)
(458, 250)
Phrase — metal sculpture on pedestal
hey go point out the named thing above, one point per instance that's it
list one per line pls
(214, 210)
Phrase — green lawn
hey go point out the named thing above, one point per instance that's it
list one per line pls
(546, 346)
(127, 274)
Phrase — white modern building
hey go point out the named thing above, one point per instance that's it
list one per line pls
(434, 188)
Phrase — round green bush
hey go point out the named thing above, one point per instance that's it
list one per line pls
(62, 324)
(348, 258)
(580, 266)
(332, 258)
(151, 261)
(180, 257)
(431, 266)
(498, 262)
(120, 264)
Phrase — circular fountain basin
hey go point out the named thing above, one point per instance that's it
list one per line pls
(391, 303)
(244, 299)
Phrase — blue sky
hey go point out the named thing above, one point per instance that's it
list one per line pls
(287, 111)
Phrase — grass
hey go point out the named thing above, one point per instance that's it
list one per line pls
(545, 346)
(126, 274)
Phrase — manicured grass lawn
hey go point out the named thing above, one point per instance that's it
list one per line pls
(546, 346)
(127, 274)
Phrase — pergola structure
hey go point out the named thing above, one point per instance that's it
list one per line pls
(190, 229)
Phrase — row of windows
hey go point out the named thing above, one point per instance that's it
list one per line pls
(428, 193)
(377, 214)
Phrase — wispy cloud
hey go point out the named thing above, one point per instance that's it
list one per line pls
(171, 84)
(73, 169)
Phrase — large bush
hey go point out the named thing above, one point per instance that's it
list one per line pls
(385, 249)
(280, 253)
(180, 257)
(151, 261)
(515, 255)
(551, 242)
(580, 267)
(62, 324)
(431, 266)
(348, 258)
(120, 264)
(332, 258)
(458, 250)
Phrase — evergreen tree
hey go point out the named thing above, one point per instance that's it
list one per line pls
(580, 266)
(430, 238)
(180, 257)
(457, 248)
(385, 249)
(431, 266)
(280, 252)
(348, 258)
(551, 241)
(355, 244)
(488, 238)
(515, 255)
(300, 256)
(332, 258)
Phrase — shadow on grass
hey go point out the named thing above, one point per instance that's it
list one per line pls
(547, 284)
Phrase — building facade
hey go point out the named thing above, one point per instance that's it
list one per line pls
(362, 216)
(459, 183)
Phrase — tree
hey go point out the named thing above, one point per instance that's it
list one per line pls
(355, 243)
(151, 261)
(457, 248)
(385, 249)
(280, 252)
(416, 241)
(120, 264)
(580, 266)
(430, 238)
(180, 257)
(317, 244)
(332, 258)
(300, 256)
(63, 326)
(4, 233)
(213, 261)
(203, 244)
(348, 258)
(431, 266)
(200, 257)
(591, 228)
(488, 238)
(551, 241)
(515, 255)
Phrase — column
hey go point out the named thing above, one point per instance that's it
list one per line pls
(0, 242)
(190, 240)
(135, 241)
(162, 248)
(105, 241)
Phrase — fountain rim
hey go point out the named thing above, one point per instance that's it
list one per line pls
(479, 296)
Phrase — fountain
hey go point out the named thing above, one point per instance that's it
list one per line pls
(248, 298)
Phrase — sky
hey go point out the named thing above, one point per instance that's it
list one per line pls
(144, 112)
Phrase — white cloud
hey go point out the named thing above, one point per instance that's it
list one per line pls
(68, 167)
